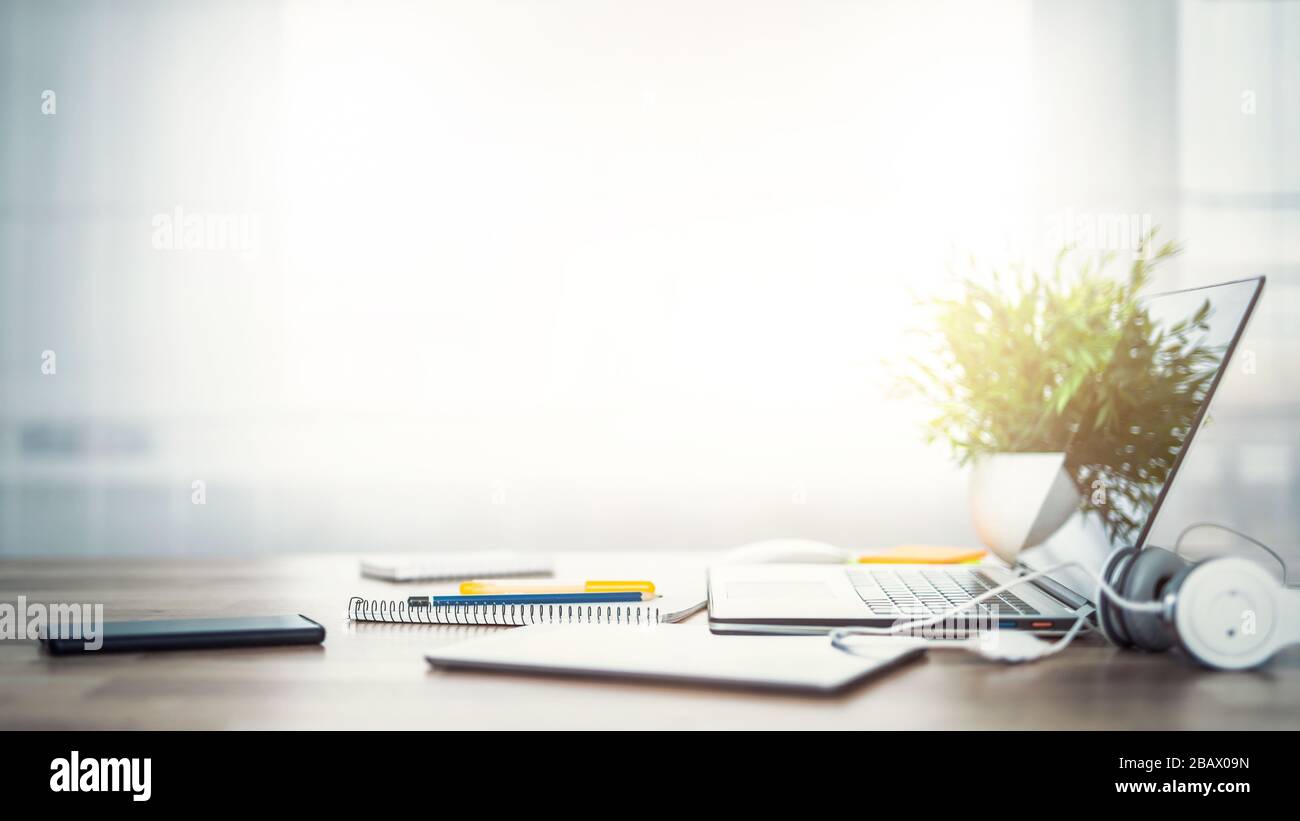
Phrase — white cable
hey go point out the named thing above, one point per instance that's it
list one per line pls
(837, 636)
(1064, 641)
(1178, 543)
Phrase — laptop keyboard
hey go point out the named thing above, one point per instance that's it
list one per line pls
(927, 592)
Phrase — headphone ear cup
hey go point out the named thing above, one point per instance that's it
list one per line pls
(1113, 572)
(1230, 614)
(1150, 573)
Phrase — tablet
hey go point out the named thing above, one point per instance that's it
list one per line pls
(681, 653)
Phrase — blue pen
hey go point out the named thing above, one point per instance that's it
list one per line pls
(529, 598)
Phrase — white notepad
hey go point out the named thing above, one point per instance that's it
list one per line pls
(679, 653)
(454, 566)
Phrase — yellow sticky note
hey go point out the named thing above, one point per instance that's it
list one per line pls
(923, 554)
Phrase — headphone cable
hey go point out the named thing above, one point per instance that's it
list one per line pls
(1198, 525)
(839, 635)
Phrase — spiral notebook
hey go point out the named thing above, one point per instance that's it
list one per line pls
(652, 612)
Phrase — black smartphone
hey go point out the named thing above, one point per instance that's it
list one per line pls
(190, 634)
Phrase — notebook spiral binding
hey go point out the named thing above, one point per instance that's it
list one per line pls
(389, 610)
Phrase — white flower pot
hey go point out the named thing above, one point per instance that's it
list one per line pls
(1009, 491)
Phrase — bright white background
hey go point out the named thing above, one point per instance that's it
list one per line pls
(592, 274)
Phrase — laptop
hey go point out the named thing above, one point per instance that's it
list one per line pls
(814, 598)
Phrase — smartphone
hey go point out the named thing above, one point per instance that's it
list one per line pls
(189, 634)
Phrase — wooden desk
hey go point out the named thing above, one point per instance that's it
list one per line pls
(374, 676)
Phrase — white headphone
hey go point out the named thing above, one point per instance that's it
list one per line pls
(1227, 613)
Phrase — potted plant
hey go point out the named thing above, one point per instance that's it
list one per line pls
(1015, 366)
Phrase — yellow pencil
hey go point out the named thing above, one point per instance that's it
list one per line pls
(507, 587)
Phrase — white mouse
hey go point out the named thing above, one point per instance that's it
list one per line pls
(786, 551)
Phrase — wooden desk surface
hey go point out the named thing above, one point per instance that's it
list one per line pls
(374, 675)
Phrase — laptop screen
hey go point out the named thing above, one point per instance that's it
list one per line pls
(1138, 427)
